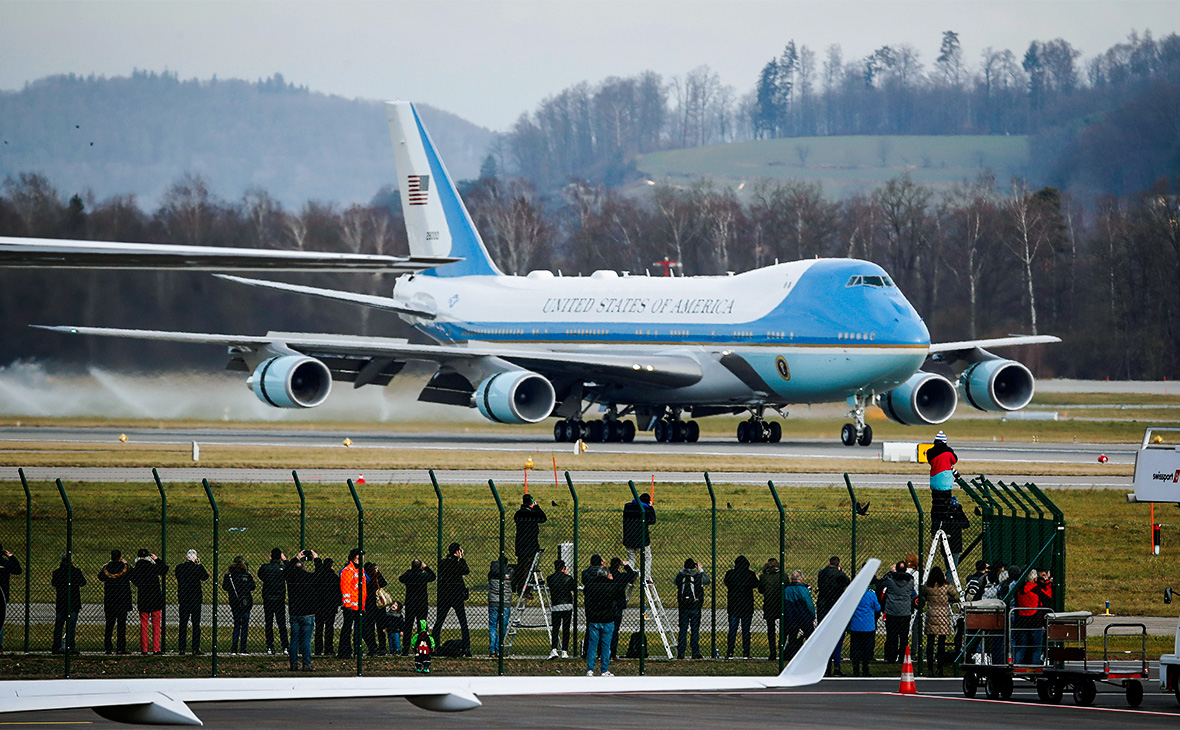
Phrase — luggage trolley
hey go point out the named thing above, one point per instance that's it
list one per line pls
(1070, 665)
(983, 629)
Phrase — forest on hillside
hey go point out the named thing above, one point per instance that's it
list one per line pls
(988, 258)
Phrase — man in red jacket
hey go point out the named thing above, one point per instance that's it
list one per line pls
(942, 477)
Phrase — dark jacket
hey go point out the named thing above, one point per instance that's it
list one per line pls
(741, 582)
(799, 611)
(601, 595)
(72, 591)
(116, 586)
(830, 585)
(899, 592)
(635, 513)
(452, 589)
(696, 579)
(626, 576)
(9, 566)
(188, 583)
(146, 576)
(528, 530)
(327, 588)
(415, 582)
(953, 524)
(274, 583)
(301, 589)
(561, 590)
(239, 586)
(768, 586)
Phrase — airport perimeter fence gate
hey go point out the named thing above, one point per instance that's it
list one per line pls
(1020, 526)
(395, 524)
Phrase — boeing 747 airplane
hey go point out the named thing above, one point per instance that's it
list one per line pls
(649, 353)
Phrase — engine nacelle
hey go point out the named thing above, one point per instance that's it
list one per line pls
(997, 385)
(516, 396)
(923, 400)
(291, 381)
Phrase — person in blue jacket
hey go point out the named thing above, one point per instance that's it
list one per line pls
(798, 615)
(863, 631)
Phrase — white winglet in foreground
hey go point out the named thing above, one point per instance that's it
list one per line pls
(163, 701)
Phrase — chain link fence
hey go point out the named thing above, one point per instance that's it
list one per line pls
(404, 523)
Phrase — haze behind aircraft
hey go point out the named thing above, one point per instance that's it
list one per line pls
(665, 350)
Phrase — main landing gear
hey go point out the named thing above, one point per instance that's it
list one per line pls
(672, 429)
(606, 430)
(858, 432)
(755, 430)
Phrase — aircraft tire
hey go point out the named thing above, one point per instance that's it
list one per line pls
(848, 435)
(595, 432)
(866, 436)
(611, 431)
(743, 435)
(679, 432)
(660, 430)
(757, 432)
(693, 432)
(559, 432)
(775, 432)
(628, 429)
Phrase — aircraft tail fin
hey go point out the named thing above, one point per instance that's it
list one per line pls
(437, 222)
(808, 666)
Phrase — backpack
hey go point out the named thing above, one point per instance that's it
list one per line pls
(451, 648)
(690, 589)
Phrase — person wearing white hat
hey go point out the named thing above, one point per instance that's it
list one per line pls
(189, 597)
(942, 477)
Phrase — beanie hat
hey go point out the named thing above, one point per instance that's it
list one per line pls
(558, 564)
(115, 555)
(276, 554)
(143, 553)
(940, 436)
(191, 555)
(596, 559)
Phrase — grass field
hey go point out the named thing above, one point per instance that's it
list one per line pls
(844, 165)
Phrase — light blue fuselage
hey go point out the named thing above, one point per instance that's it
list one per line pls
(812, 331)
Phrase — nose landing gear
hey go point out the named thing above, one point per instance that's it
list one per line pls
(858, 432)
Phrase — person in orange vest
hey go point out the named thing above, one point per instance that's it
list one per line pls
(350, 576)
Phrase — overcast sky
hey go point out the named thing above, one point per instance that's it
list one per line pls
(490, 60)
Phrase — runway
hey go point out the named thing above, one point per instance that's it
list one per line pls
(842, 704)
(507, 442)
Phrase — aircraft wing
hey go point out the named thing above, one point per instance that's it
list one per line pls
(164, 701)
(1011, 341)
(29, 253)
(367, 300)
(666, 370)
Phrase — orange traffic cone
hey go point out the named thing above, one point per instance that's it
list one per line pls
(907, 686)
(360, 479)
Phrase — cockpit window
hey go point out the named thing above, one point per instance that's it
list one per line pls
(877, 281)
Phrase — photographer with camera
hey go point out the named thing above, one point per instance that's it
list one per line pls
(301, 593)
(415, 580)
(9, 566)
(146, 575)
(189, 596)
(453, 594)
(274, 598)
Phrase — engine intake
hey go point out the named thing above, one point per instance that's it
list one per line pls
(923, 400)
(997, 385)
(291, 381)
(517, 396)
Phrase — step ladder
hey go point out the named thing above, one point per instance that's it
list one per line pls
(940, 540)
(652, 598)
(536, 581)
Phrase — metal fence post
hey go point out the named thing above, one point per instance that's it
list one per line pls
(782, 569)
(360, 579)
(438, 527)
(216, 564)
(852, 496)
(642, 582)
(163, 558)
(65, 645)
(917, 639)
(574, 569)
(28, 549)
(302, 511)
(712, 567)
(503, 559)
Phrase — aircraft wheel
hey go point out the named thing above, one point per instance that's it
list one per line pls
(576, 430)
(775, 432)
(1084, 692)
(693, 432)
(610, 431)
(1134, 693)
(743, 435)
(595, 432)
(970, 684)
(559, 431)
(848, 435)
(628, 429)
(679, 432)
(661, 431)
(866, 436)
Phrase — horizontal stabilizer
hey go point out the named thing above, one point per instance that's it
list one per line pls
(365, 300)
(51, 253)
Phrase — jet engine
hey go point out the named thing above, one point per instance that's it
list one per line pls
(291, 381)
(997, 385)
(923, 400)
(515, 396)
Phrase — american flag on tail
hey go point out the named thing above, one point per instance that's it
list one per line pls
(418, 187)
